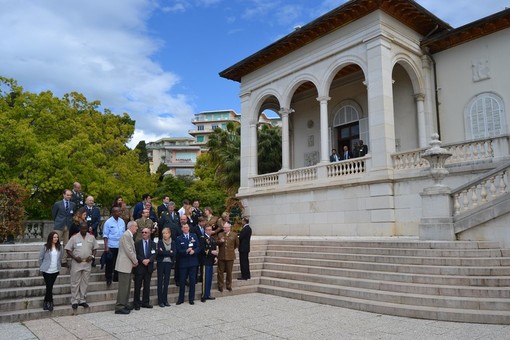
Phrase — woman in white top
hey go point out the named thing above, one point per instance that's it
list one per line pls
(50, 259)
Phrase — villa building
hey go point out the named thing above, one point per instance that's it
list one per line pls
(392, 74)
(178, 153)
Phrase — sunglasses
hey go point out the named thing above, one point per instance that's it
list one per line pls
(145, 232)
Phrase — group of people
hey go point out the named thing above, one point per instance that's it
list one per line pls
(359, 150)
(189, 241)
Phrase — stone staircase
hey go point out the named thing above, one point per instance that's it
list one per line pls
(451, 281)
(22, 286)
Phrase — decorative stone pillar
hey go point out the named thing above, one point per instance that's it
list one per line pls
(254, 149)
(323, 100)
(422, 124)
(437, 218)
(284, 113)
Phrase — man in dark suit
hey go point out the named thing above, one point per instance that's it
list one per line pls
(362, 149)
(244, 249)
(62, 215)
(93, 214)
(199, 230)
(146, 252)
(163, 207)
(188, 248)
(138, 209)
(334, 157)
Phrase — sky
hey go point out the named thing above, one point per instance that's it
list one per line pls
(158, 60)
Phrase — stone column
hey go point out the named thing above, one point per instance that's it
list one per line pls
(323, 100)
(284, 113)
(248, 159)
(380, 103)
(429, 94)
(422, 125)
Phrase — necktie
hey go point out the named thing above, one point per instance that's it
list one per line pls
(67, 205)
(187, 238)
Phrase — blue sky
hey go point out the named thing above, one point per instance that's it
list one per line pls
(159, 60)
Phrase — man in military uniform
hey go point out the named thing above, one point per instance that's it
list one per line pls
(209, 259)
(228, 242)
(144, 222)
(78, 197)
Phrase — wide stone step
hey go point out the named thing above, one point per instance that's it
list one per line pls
(392, 286)
(406, 252)
(392, 297)
(399, 268)
(432, 261)
(410, 311)
(414, 244)
(105, 301)
(442, 280)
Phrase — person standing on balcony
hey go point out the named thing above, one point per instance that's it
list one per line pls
(50, 259)
(362, 149)
(334, 156)
(346, 153)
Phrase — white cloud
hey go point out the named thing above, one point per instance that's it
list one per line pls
(99, 48)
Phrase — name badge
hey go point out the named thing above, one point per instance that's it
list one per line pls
(153, 251)
(79, 244)
(190, 245)
(89, 218)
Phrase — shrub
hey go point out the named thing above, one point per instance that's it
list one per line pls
(12, 210)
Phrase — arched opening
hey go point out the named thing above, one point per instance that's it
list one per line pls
(404, 110)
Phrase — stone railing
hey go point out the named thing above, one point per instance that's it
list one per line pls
(344, 168)
(480, 191)
(36, 231)
(312, 173)
(266, 180)
(478, 150)
(302, 175)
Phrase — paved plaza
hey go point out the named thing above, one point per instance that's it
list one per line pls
(249, 316)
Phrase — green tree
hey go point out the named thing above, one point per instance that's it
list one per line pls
(225, 156)
(143, 158)
(269, 149)
(47, 143)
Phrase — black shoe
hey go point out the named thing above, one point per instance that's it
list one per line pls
(192, 302)
(162, 305)
(108, 283)
(241, 278)
(179, 303)
(167, 304)
(229, 289)
(50, 306)
(74, 306)
(129, 307)
(211, 298)
(137, 307)
(45, 305)
(84, 305)
(203, 299)
(147, 305)
(123, 311)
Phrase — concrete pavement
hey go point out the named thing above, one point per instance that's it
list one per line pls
(248, 316)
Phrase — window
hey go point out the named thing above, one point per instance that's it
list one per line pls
(485, 116)
(214, 126)
(200, 139)
(200, 128)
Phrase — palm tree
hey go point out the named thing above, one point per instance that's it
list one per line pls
(269, 148)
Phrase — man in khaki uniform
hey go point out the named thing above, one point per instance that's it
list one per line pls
(126, 261)
(144, 222)
(81, 248)
(227, 242)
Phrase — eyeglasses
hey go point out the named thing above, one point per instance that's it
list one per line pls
(145, 232)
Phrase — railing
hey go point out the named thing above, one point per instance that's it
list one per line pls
(478, 150)
(480, 191)
(266, 180)
(302, 175)
(344, 168)
(35, 230)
